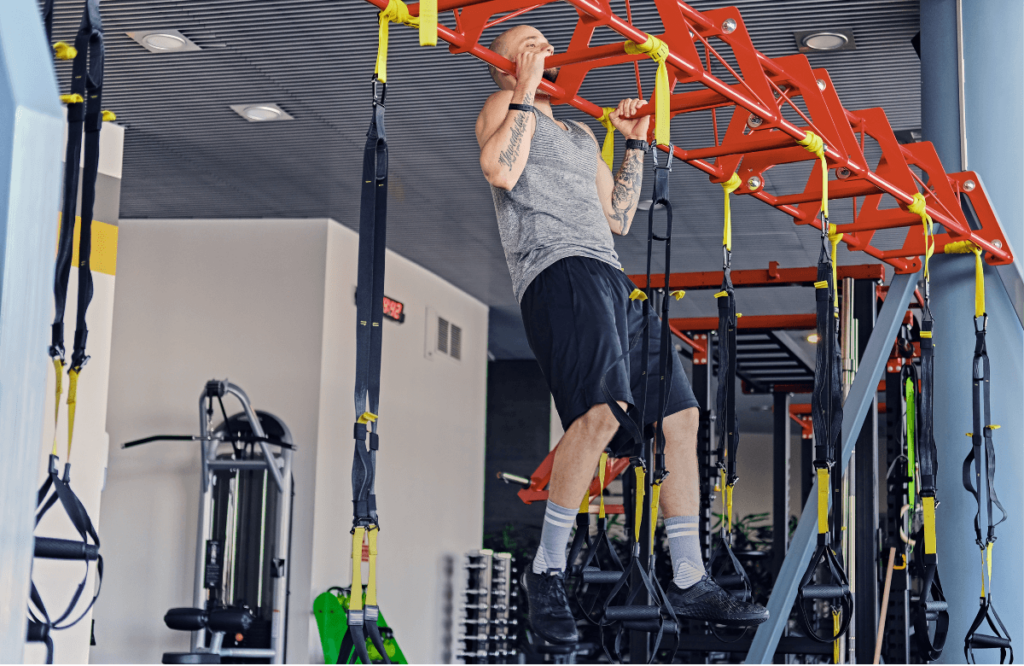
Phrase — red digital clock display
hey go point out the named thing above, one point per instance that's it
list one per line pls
(394, 310)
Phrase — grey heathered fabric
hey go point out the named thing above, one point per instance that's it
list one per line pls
(553, 212)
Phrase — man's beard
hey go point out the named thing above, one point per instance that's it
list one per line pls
(551, 74)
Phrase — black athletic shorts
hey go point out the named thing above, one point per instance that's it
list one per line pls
(579, 322)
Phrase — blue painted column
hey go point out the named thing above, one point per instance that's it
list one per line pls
(994, 109)
(31, 137)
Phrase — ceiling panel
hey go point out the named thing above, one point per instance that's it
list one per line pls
(188, 155)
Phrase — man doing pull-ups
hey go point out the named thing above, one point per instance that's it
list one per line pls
(558, 205)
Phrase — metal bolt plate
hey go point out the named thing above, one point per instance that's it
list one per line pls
(728, 25)
(969, 185)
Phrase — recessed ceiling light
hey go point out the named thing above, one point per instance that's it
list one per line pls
(825, 40)
(261, 113)
(163, 41)
(812, 338)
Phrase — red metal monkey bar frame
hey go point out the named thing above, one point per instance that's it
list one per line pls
(758, 136)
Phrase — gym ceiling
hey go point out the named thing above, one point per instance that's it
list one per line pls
(189, 155)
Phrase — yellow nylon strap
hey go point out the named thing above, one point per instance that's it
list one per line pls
(371, 579)
(398, 12)
(814, 144)
(63, 51)
(608, 147)
(835, 632)
(637, 295)
(72, 403)
(356, 600)
(928, 504)
(823, 491)
(918, 207)
(963, 247)
(600, 476)
(108, 116)
(58, 365)
(728, 507)
(655, 498)
(72, 99)
(729, 186)
(821, 285)
(585, 503)
(988, 562)
(926, 334)
(834, 237)
(638, 513)
(366, 417)
(428, 22)
(720, 294)
(658, 51)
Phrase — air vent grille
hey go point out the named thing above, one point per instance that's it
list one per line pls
(442, 335)
(456, 343)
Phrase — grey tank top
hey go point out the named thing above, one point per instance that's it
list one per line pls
(553, 212)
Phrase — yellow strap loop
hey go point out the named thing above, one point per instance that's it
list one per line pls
(823, 493)
(637, 295)
(608, 148)
(398, 12)
(988, 562)
(366, 417)
(428, 22)
(729, 186)
(639, 510)
(728, 507)
(963, 247)
(371, 579)
(814, 144)
(678, 294)
(72, 403)
(109, 116)
(58, 365)
(928, 504)
(834, 237)
(585, 503)
(658, 51)
(835, 632)
(655, 499)
(64, 51)
(918, 207)
(356, 600)
(600, 476)
(72, 99)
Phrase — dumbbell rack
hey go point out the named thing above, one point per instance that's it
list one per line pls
(490, 630)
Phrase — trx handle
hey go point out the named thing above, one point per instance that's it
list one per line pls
(65, 549)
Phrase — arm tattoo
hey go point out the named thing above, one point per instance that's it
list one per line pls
(627, 188)
(510, 155)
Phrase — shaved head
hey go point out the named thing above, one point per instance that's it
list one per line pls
(512, 42)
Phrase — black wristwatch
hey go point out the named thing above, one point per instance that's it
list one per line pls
(520, 107)
(637, 144)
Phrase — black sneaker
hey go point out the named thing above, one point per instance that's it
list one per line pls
(705, 600)
(550, 616)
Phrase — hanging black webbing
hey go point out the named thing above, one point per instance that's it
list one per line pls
(980, 482)
(85, 115)
(827, 419)
(362, 618)
(725, 404)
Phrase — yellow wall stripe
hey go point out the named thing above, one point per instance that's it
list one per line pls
(104, 246)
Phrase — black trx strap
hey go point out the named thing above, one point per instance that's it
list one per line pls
(85, 114)
(729, 436)
(930, 610)
(827, 418)
(362, 619)
(658, 618)
(983, 459)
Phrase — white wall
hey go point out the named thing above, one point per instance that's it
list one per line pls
(269, 304)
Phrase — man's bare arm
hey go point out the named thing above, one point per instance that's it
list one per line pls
(504, 134)
(626, 193)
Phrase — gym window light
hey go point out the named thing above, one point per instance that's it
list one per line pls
(809, 41)
(163, 41)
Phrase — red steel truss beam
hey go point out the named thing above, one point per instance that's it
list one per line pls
(773, 277)
(763, 88)
(795, 322)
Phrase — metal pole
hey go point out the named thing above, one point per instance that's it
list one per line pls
(848, 643)
(865, 524)
(780, 480)
(207, 452)
(855, 411)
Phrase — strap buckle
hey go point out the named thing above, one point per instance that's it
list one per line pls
(984, 323)
(661, 174)
(378, 100)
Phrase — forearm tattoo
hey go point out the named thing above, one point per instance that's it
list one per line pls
(510, 155)
(627, 188)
